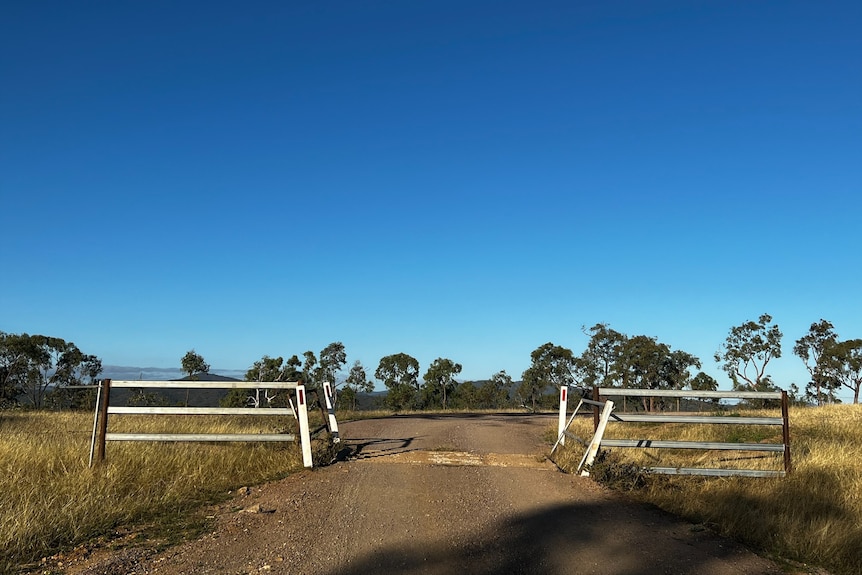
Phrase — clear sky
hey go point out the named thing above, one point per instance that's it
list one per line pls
(463, 179)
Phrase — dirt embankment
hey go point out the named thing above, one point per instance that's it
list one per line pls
(437, 494)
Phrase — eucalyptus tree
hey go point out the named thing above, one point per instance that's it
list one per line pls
(844, 365)
(646, 363)
(551, 365)
(308, 371)
(811, 349)
(357, 382)
(747, 351)
(596, 365)
(440, 378)
(399, 372)
(193, 364)
(466, 396)
(332, 359)
(293, 369)
(703, 382)
(74, 368)
(263, 370)
(494, 393)
(14, 362)
(33, 365)
(640, 363)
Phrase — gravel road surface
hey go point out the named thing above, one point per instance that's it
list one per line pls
(435, 494)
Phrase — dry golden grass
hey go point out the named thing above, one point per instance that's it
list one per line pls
(51, 498)
(814, 515)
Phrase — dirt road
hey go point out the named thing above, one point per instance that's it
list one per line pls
(435, 494)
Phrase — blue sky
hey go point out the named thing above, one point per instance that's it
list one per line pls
(459, 179)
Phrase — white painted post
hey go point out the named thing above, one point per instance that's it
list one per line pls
(561, 424)
(304, 432)
(330, 408)
(593, 449)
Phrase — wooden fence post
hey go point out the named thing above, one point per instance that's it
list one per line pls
(561, 424)
(103, 420)
(596, 408)
(785, 415)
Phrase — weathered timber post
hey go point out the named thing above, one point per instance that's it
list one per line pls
(103, 420)
(596, 408)
(785, 415)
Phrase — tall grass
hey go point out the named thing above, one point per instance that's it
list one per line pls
(51, 498)
(814, 515)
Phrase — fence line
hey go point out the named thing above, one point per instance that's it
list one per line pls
(103, 410)
(599, 424)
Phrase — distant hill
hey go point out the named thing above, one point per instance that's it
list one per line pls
(196, 397)
(207, 377)
(133, 373)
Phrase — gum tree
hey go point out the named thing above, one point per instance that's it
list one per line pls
(193, 364)
(440, 378)
(552, 365)
(356, 383)
(747, 351)
(810, 349)
(844, 365)
(399, 372)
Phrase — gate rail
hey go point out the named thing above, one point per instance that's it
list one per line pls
(103, 410)
(599, 426)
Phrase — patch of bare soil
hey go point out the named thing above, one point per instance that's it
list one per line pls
(435, 494)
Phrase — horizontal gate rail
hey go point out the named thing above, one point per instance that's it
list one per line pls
(706, 445)
(623, 391)
(716, 472)
(206, 384)
(698, 419)
(199, 437)
(259, 411)
(599, 394)
(103, 410)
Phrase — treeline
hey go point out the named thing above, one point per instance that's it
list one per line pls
(42, 369)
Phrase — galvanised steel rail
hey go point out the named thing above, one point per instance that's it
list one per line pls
(709, 419)
(103, 410)
(597, 402)
(622, 391)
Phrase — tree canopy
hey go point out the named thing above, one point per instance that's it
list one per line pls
(35, 365)
(747, 351)
(811, 349)
(400, 374)
(440, 379)
(551, 365)
(194, 364)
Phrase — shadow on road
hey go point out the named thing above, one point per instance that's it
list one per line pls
(576, 538)
(366, 448)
